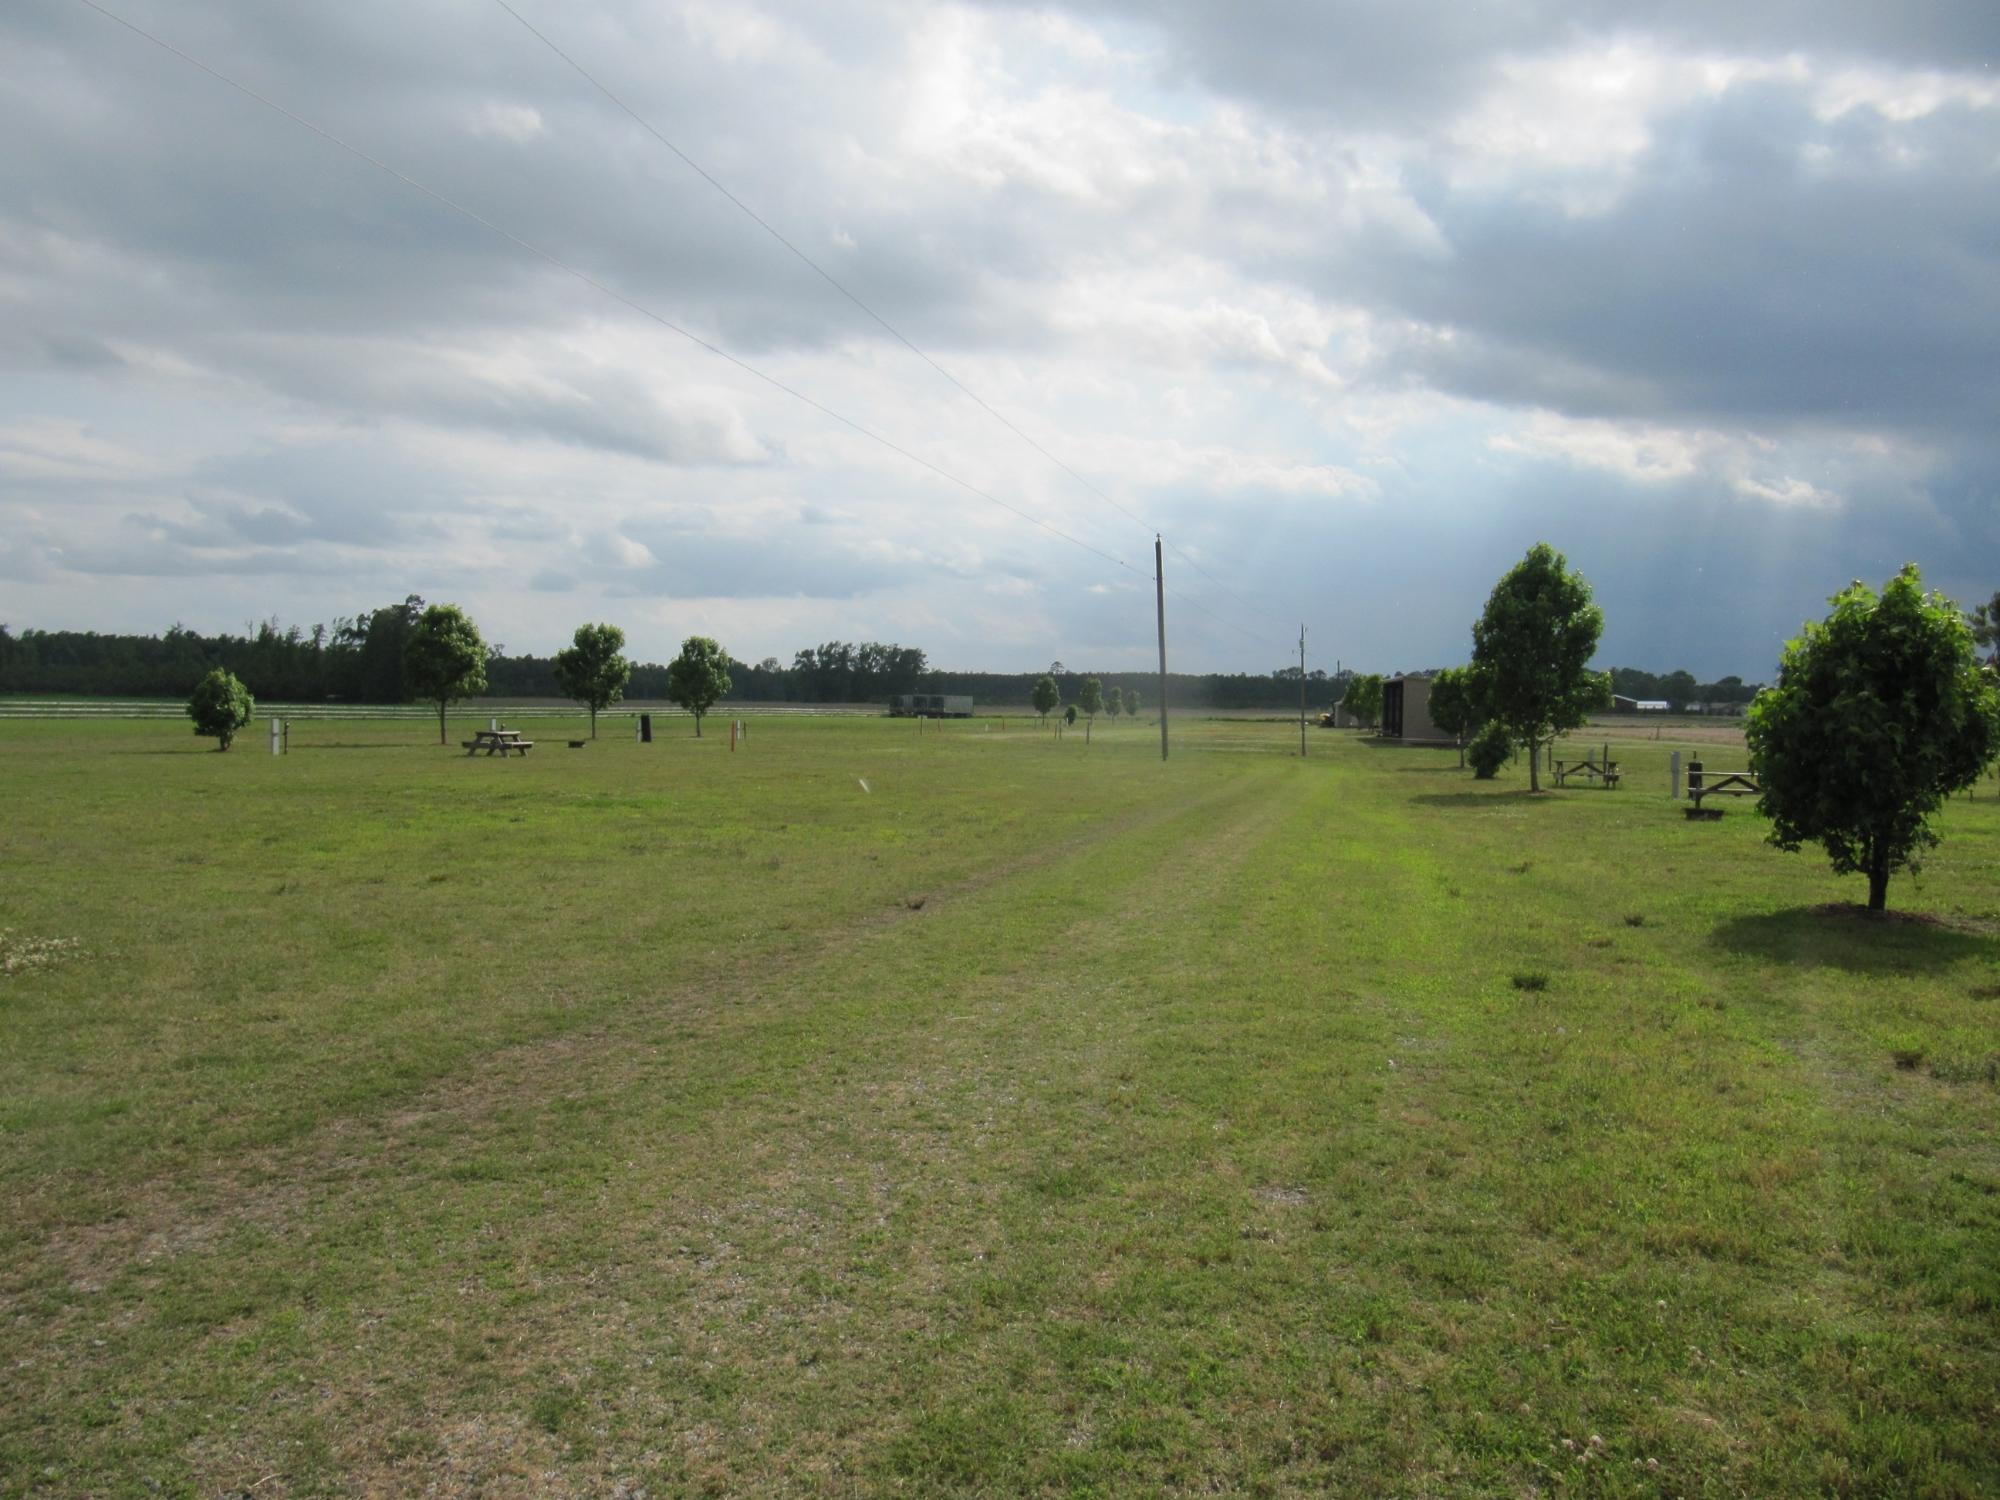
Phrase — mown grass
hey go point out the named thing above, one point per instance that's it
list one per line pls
(1039, 1120)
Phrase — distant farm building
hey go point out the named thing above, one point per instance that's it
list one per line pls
(1621, 704)
(1406, 712)
(930, 706)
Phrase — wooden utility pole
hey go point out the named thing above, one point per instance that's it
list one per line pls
(1302, 692)
(1160, 600)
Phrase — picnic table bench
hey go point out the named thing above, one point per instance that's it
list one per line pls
(1604, 772)
(499, 742)
(1703, 783)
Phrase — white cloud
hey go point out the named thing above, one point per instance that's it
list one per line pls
(508, 122)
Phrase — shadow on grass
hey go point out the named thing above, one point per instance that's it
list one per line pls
(1846, 937)
(1514, 796)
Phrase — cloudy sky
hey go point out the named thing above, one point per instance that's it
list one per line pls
(1353, 301)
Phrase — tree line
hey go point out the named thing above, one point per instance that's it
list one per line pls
(363, 658)
(1679, 688)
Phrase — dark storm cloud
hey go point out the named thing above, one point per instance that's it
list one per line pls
(1733, 281)
(1405, 64)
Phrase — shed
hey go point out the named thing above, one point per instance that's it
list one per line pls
(1406, 712)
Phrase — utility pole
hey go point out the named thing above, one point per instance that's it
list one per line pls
(1160, 600)
(1302, 691)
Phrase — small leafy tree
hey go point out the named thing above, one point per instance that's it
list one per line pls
(1535, 641)
(1452, 707)
(1132, 703)
(1069, 714)
(1880, 712)
(1490, 750)
(1114, 703)
(1364, 698)
(220, 706)
(698, 678)
(1090, 698)
(593, 670)
(1047, 697)
(444, 659)
(1985, 623)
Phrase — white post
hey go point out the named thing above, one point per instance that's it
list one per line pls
(494, 725)
(1674, 776)
(275, 732)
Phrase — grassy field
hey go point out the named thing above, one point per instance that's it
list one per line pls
(1035, 1119)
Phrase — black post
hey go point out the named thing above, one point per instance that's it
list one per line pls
(1160, 600)
(646, 729)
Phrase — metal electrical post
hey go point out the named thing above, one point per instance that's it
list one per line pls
(1160, 599)
(1302, 692)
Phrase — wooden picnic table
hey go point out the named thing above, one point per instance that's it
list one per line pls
(1604, 772)
(501, 742)
(1718, 784)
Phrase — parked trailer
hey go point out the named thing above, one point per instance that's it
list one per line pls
(930, 706)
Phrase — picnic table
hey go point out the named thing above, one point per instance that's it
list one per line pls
(501, 742)
(1605, 772)
(1703, 783)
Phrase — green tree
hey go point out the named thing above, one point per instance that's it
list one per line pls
(444, 659)
(1490, 750)
(1453, 706)
(220, 706)
(593, 669)
(1535, 642)
(1132, 703)
(1880, 712)
(1090, 698)
(1363, 701)
(1114, 703)
(1069, 714)
(698, 678)
(1985, 623)
(1047, 697)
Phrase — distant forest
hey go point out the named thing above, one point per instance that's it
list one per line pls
(359, 659)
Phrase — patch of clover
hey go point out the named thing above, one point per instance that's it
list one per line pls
(19, 955)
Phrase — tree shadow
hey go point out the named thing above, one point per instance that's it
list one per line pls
(1845, 936)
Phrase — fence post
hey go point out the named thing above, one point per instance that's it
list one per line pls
(275, 737)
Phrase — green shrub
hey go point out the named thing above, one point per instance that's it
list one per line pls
(1489, 751)
(220, 706)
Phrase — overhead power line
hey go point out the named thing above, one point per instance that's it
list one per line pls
(624, 300)
(841, 287)
(605, 288)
